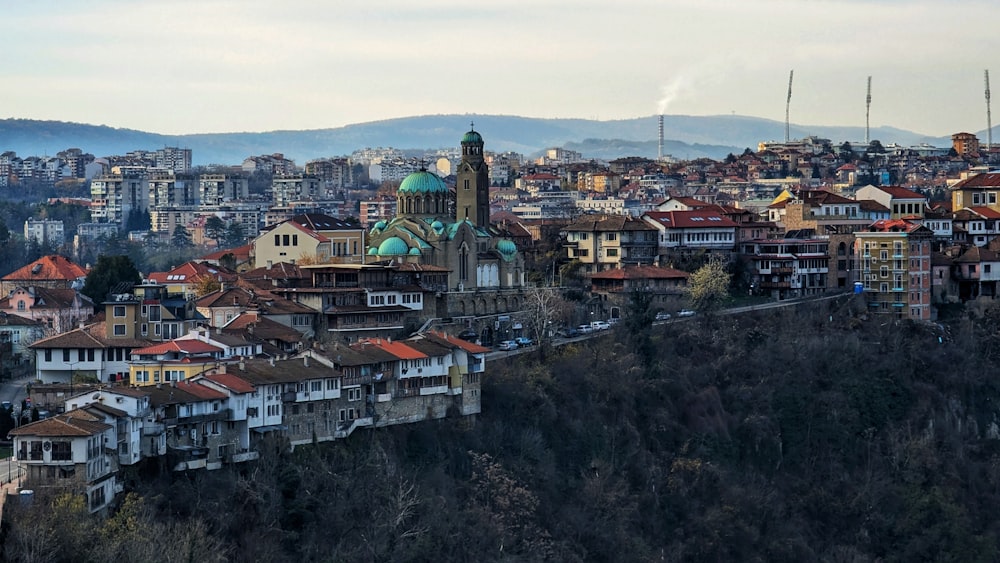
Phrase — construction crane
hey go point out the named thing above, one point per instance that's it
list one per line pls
(868, 109)
(788, 102)
(989, 120)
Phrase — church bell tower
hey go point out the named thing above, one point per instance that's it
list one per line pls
(472, 192)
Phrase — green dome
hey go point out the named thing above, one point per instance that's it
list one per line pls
(423, 182)
(438, 226)
(506, 247)
(393, 246)
(379, 225)
(414, 251)
(472, 137)
(373, 251)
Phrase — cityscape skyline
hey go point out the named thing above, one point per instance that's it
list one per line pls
(223, 66)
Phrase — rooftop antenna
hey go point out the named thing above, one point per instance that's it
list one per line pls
(989, 121)
(788, 102)
(868, 108)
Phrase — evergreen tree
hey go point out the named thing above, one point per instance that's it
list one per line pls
(181, 238)
(234, 235)
(215, 229)
(106, 274)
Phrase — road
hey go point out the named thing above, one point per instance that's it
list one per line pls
(14, 390)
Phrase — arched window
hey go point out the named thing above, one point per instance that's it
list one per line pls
(842, 249)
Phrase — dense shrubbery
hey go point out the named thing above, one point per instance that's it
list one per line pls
(793, 436)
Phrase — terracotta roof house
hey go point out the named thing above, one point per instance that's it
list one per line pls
(54, 271)
(223, 305)
(86, 351)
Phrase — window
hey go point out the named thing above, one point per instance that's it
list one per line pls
(612, 252)
(354, 394)
(119, 330)
(119, 311)
(48, 355)
(66, 355)
(20, 305)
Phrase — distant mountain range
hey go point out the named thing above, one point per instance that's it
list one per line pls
(686, 137)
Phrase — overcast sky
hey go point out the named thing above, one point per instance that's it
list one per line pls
(194, 66)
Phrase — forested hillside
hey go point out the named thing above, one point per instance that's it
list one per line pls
(792, 435)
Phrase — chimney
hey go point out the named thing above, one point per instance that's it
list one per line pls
(305, 361)
(243, 365)
(659, 152)
(272, 361)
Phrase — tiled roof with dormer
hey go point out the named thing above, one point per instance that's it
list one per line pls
(190, 272)
(53, 267)
(693, 219)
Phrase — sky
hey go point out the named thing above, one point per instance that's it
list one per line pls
(202, 66)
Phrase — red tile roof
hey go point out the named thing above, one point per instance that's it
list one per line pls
(231, 382)
(186, 346)
(52, 267)
(901, 193)
(189, 272)
(398, 349)
(988, 180)
(694, 219)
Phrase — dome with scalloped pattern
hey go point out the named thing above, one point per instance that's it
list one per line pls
(393, 246)
(414, 251)
(373, 251)
(422, 182)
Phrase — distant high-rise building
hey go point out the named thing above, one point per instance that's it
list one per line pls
(45, 231)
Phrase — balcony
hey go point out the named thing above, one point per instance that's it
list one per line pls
(152, 428)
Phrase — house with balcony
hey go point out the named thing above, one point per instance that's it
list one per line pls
(194, 419)
(975, 273)
(86, 353)
(895, 268)
(223, 305)
(665, 287)
(975, 225)
(73, 450)
(697, 230)
(789, 267)
(608, 242)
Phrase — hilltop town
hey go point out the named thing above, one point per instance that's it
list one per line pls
(367, 290)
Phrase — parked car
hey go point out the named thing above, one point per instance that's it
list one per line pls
(523, 341)
(614, 320)
(469, 335)
(507, 345)
(685, 313)
(600, 325)
(585, 329)
(568, 332)
(663, 316)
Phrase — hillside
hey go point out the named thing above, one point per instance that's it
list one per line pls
(786, 435)
(686, 136)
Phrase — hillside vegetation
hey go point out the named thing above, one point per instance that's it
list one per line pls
(791, 435)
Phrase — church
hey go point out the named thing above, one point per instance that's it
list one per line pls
(450, 229)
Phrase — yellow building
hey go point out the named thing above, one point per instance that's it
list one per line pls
(177, 360)
(980, 190)
(310, 238)
(895, 260)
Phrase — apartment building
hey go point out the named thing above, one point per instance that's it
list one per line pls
(895, 261)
